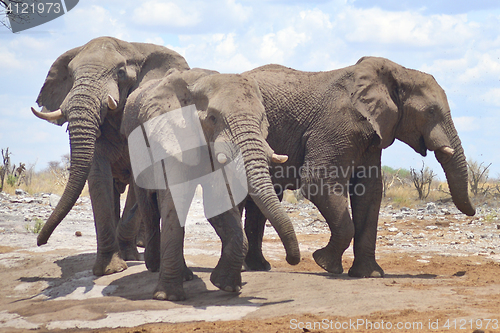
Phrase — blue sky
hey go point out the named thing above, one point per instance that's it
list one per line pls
(458, 42)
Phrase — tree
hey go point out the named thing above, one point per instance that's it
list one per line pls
(422, 180)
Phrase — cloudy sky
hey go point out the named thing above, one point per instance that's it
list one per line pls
(457, 41)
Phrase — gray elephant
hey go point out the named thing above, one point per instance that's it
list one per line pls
(230, 141)
(88, 87)
(333, 126)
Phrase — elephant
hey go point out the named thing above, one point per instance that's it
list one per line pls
(233, 128)
(336, 125)
(88, 87)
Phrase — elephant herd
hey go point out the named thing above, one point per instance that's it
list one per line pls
(139, 116)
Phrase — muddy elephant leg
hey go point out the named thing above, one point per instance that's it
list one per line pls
(255, 223)
(102, 193)
(334, 208)
(227, 274)
(172, 257)
(128, 227)
(365, 202)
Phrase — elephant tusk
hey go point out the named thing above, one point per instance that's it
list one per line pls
(112, 104)
(447, 150)
(50, 116)
(279, 158)
(222, 158)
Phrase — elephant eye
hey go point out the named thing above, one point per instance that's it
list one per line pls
(121, 73)
(213, 119)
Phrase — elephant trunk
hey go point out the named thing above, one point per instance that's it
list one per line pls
(83, 129)
(455, 169)
(249, 140)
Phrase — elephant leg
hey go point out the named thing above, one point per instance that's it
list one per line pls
(102, 196)
(172, 267)
(149, 211)
(128, 228)
(255, 223)
(227, 274)
(334, 208)
(141, 235)
(366, 195)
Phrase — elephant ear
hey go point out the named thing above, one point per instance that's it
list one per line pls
(157, 61)
(375, 96)
(58, 83)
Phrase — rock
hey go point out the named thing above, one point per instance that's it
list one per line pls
(420, 217)
(431, 227)
(54, 200)
(20, 192)
(398, 216)
(498, 226)
(388, 207)
(445, 211)
(392, 229)
(431, 206)
(469, 235)
(405, 209)
(78, 234)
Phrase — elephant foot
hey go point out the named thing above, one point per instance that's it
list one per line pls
(328, 261)
(173, 292)
(366, 268)
(106, 264)
(255, 261)
(128, 251)
(226, 280)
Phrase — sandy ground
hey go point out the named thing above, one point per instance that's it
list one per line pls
(442, 274)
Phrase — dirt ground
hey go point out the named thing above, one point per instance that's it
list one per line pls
(442, 275)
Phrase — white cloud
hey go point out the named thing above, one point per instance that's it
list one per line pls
(492, 97)
(466, 124)
(408, 28)
(169, 14)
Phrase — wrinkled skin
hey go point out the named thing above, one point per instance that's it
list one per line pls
(90, 85)
(232, 118)
(331, 123)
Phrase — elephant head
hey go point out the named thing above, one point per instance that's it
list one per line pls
(232, 118)
(88, 86)
(410, 106)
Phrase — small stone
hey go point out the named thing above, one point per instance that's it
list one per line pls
(398, 216)
(445, 211)
(498, 226)
(420, 217)
(54, 200)
(431, 227)
(78, 234)
(20, 192)
(431, 206)
(405, 209)
(469, 235)
(392, 229)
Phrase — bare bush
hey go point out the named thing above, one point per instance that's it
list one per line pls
(6, 170)
(478, 177)
(422, 180)
(60, 170)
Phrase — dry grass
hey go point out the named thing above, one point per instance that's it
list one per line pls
(43, 182)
